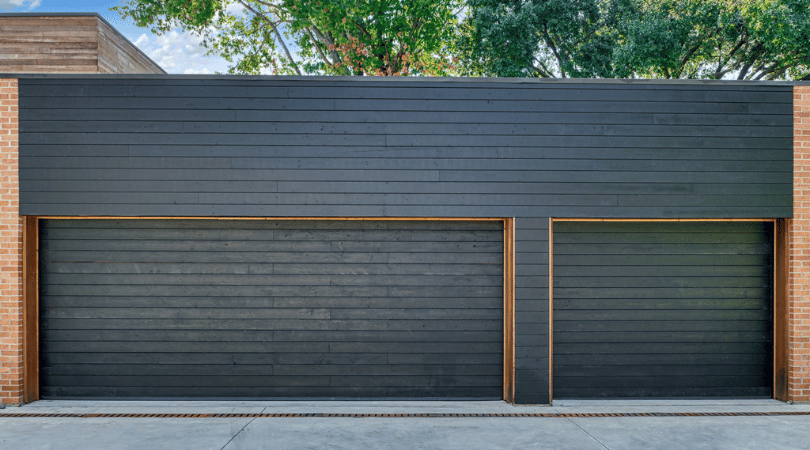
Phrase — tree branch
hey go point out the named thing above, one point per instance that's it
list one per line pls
(317, 47)
(688, 56)
(750, 62)
(328, 41)
(544, 72)
(275, 30)
(553, 50)
(719, 73)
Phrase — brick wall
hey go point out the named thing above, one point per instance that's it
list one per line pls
(799, 280)
(11, 311)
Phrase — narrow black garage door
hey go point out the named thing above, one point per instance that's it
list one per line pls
(216, 308)
(644, 309)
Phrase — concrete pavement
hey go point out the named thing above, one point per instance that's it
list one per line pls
(599, 433)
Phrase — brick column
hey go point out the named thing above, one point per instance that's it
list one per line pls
(798, 328)
(11, 287)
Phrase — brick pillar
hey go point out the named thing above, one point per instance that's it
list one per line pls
(11, 282)
(799, 280)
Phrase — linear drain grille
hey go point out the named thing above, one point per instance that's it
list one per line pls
(440, 415)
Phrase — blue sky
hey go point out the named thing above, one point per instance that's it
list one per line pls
(176, 52)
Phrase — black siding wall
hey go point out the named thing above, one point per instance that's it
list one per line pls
(283, 147)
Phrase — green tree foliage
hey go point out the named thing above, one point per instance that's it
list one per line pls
(335, 37)
(742, 39)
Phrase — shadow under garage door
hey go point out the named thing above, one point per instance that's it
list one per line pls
(662, 309)
(262, 308)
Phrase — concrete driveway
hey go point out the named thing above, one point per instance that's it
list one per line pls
(66, 425)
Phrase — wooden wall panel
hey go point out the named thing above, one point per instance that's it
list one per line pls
(30, 309)
(67, 43)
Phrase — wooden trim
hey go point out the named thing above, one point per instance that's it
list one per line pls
(508, 273)
(30, 269)
(509, 310)
(550, 309)
(781, 276)
(660, 220)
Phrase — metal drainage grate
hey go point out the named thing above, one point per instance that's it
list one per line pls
(427, 415)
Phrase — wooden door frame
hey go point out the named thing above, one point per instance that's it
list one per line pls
(781, 245)
(31, 379)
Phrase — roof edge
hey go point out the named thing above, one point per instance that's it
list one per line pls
(404, 79)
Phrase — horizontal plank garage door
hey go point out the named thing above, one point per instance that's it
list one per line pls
(662, 309)
(226, 308)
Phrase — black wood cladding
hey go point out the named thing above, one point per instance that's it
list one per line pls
(291, 147)
(686, 311)
(132, 322)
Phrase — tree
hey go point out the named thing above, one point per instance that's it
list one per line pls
(335, 37)
(541, 38)
(742, 39)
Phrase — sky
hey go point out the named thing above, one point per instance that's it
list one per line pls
(175, 52)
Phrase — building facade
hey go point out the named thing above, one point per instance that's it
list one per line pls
(308, 237)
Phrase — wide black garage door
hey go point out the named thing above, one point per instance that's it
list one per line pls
(226, 308)
(667, 309)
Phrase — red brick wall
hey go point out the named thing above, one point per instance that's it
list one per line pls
(799, 279)
(11, 311)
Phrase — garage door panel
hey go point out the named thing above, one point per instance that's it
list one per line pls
(172, 234)
(264, 257)
(666, 369)
(186, 313)
(655, 249)
(667, 391)
(278, 269)
(217, 291)
(227, 358)
(662, 315)
(568, 361)
(698, 226)
(657, 281)
(255, 324)
(260, 392)
(658, 292)
(271, 308)
(665, 337)
(642, 349)
(57, 301)
(177, 369)
(609, 262)
(653, 270)
(659, 381)
(686, 304)
(659, 303)
(659, 236)
(200, 248)
(627, 326)
(238, 280)
(277, 335)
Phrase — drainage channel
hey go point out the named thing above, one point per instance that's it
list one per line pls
(425, 415)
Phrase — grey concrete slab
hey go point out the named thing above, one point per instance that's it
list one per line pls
(698, 433)
(384, 433)
(675, 406)
(117, 434)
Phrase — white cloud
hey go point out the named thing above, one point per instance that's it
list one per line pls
(180, 52)
(9, 5)
(235, 9)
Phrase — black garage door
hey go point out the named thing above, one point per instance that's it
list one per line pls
(667, 309)
(226, 308)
